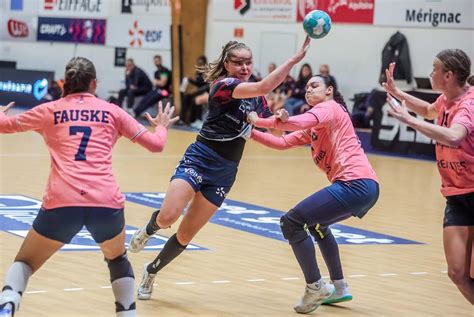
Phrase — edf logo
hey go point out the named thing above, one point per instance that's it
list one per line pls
(138, 35)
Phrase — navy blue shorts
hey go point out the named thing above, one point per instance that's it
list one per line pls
(459, 210)
(337, 202)
(62, 224)
(207, 172)
(358, 195)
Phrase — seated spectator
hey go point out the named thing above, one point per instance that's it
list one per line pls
(324, 70)
(137, 83)
(191, 111)
(363, 111)
(297, 98)
(161, 89)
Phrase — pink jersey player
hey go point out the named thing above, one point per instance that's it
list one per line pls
(336, 150)
(80, 131)
(454, 136)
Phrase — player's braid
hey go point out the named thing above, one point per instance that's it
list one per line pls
(328, 81)
(216, 69)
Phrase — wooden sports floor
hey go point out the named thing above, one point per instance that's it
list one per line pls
(239, 273)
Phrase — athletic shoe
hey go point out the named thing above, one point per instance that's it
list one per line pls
(342, 294)
(146, 284)
(138, 240)
(9, 303)
(313, 298)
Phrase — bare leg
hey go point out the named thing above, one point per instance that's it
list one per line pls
(458, 250)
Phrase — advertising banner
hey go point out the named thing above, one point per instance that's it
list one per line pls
(142, 32)
(390, 135)
(256, 10)
(84, 31)
(75, 8)
(342, 11)
(425, 13)
(147, 7)
(26, 87)
(18, 28)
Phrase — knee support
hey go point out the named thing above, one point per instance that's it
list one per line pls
(319, 231)
(293, 231)
(120, 267)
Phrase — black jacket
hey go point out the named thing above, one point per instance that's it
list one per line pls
(396, 50)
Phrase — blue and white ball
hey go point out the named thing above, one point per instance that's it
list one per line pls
(317, 24)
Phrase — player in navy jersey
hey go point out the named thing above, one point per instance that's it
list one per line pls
(208, 168)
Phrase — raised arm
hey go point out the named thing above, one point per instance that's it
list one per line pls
(154, 141)
(32, 119)
(416, 105)
(281, 143)
(272, 80)
(451, 136)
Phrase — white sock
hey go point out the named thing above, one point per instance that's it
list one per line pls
(17, 276)
(124, 292)
(339, 284)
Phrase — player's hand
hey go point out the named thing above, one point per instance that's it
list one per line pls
(302, 51)
(399, 111)
(5, 109)
(164, 117)
(252, 117)
(282, 115)
(389, 85)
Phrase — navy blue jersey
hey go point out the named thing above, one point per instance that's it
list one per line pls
(227, 119)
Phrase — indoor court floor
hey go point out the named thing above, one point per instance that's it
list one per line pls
(393, 259)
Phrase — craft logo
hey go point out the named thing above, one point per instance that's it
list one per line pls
(129, 5)
(138, 35)
(17, 28)
(91, 31)
(242, 6)
(86, 6)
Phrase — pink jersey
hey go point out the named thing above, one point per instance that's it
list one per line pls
(80, 131)
(456, 164)
(335, 147)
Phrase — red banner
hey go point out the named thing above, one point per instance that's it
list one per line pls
(343, 11)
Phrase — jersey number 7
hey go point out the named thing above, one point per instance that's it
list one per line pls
(81, 151)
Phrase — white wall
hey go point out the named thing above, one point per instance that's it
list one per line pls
(352, 51)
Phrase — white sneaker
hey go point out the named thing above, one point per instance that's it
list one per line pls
(146, 284)
(342, 294)
(9, 303)
(312, 298)
(138, 240)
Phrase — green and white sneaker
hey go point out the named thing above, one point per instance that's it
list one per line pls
(314, 297)
(342, 293)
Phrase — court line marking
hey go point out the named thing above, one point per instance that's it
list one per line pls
(247, 280)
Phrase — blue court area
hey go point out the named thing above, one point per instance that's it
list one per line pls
(265, 222)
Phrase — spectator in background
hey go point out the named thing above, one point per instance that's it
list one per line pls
(324, 70)
(297, 98)
(137, 83)
(191, 111)
(161, 89)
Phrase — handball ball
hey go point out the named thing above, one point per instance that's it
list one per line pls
(317, 24)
